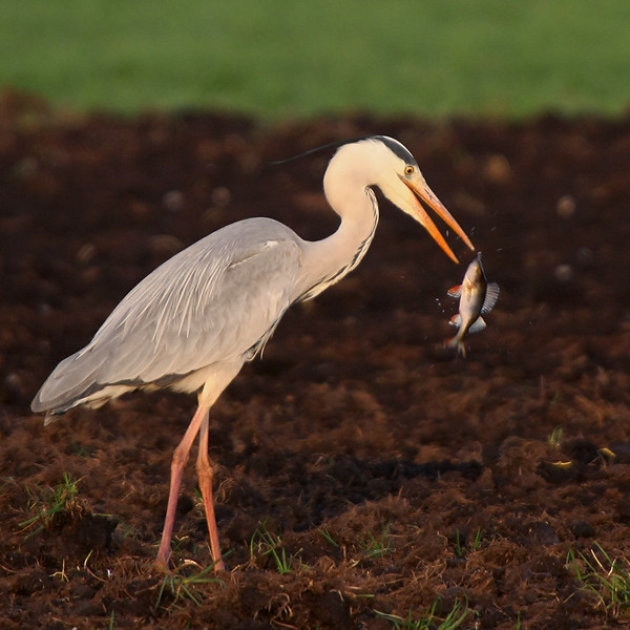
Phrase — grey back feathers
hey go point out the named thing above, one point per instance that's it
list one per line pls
(215, 300)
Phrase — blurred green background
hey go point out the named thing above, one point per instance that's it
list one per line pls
(279, 59)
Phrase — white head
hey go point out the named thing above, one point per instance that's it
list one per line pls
(385, 163)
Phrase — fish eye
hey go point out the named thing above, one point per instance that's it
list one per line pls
(409, 170)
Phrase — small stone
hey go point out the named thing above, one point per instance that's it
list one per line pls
(563, 273)
(221, 196)
(566, 207)
(86, 253)
(174, 200)
(497, 169)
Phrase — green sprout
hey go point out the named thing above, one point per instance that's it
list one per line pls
(265, 543)
(187, 586)
(607, 579)
(378, 547)
(50, 503)
(430, 621)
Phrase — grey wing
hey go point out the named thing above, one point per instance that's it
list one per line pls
(217, 300)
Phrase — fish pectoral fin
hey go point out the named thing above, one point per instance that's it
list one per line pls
(477, 326)
(456, 320)
(492, 295)
(455, 291)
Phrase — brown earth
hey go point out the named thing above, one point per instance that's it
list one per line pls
(386, 472)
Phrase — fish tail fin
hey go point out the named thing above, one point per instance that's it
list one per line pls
(456, 343)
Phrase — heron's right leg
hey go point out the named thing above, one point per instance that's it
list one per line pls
(206, 475)
(180, 457)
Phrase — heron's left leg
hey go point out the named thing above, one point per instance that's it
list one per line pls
(180, 457)
(206, 474)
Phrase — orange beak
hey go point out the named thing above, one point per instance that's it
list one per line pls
(422, 191)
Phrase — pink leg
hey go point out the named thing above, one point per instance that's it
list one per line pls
(216, 383)
(180, 457)
(206, 474)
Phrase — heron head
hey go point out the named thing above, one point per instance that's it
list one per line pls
(403, 184)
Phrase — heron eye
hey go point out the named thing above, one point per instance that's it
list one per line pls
(409, 170)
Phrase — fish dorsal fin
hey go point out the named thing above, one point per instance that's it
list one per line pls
(492, 295)
(456, 320)
(478, 326)
(455, 291)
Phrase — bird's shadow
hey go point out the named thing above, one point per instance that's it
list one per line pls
(302, 493)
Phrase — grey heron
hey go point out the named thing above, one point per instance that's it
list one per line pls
(193, 322)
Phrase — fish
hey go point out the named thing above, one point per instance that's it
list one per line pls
(477, 297)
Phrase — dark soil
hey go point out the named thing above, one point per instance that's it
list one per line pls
(387, 473)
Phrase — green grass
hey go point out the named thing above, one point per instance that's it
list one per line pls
(277, 59)
(461, 549)
(265, 543)
(556, 438)
(430, 620)
(50, 503)
(187, 582)
(328, 537)
(377, 547)
(606, 579)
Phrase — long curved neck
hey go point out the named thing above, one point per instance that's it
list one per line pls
(329, 260)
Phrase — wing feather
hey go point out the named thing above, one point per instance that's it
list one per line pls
(214, 301)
